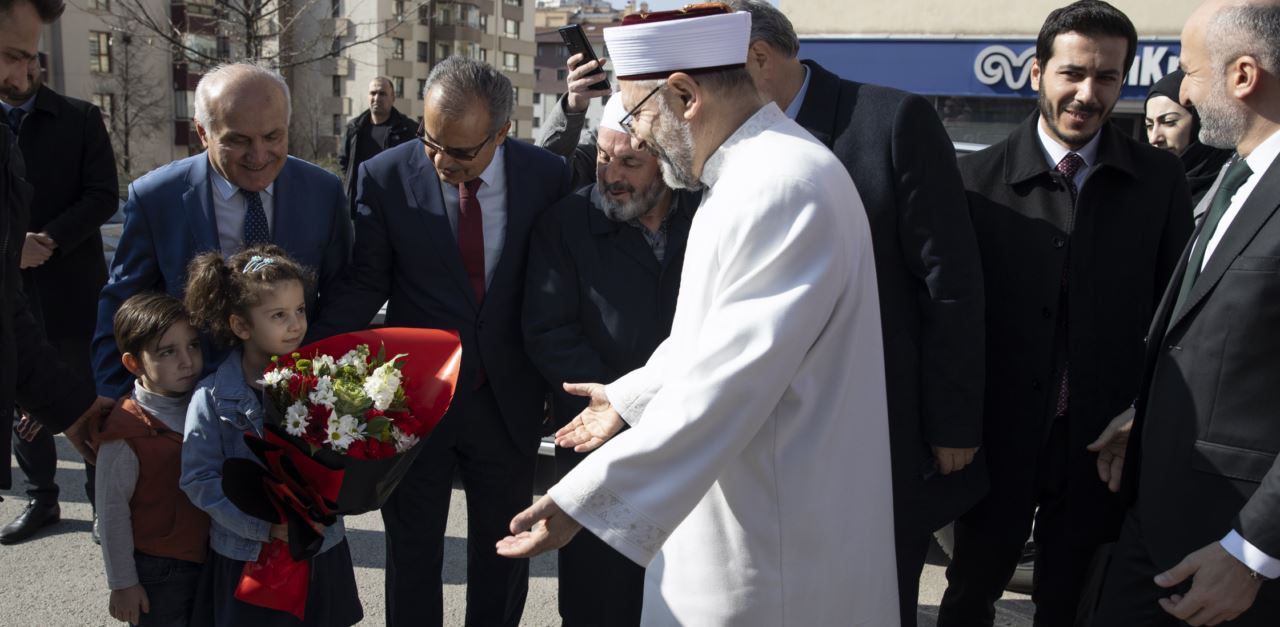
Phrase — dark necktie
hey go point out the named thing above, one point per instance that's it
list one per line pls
(256, 231)
(16, 116)
(1068, 167)
(1237, 173)
(471, 235)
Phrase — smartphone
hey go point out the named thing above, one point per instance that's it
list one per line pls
(577, 42)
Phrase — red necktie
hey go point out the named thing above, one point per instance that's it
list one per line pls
(471, 235)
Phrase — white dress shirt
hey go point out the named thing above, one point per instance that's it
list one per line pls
(493, 210)
(1055, 153)
(1259, 160)
(793, 109)
(229, 207)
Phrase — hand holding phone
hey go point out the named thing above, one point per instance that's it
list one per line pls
(586, 78)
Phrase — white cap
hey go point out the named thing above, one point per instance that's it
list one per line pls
(646, 50)
(613, 114)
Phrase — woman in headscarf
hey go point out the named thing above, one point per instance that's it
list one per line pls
(1176, 128)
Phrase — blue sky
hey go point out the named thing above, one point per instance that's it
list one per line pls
(663, 5)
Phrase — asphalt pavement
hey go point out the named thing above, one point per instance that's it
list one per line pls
(56, 578)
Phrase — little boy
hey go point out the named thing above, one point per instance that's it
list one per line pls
(153, 539)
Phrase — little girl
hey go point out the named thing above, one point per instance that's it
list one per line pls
(254, 302)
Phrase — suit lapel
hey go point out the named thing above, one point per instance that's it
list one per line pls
(198, 203)
(1257, 209)
(821, 104)
(288, 217)
(519, 212)
(420, 176)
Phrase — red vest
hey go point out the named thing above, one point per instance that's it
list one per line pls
(165, 523)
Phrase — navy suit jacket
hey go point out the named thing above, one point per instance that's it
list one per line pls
(169, 219)
(406, 255)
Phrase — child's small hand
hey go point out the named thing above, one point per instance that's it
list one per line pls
(129, 604)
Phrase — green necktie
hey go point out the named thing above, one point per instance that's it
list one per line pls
(1237, 173)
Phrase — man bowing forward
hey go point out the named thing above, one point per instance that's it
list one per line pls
(753, 482)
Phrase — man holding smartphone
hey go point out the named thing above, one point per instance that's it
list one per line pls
(562, 131)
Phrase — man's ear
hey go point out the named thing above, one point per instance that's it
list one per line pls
(1035, 74)
(132, 364)
(1243, 76)
(688, 91)
(241, 327)
(759, 55)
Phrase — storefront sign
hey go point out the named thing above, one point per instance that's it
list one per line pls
(967, 67)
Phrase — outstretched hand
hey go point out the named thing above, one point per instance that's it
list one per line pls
(541, 528)
(80, 431)
(595, 425)
(1110, 448)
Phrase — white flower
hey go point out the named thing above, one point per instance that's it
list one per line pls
(323, 394)
(339, 432)
(356, 359)
(323, 364)
(382, 384)
(275, 378)
(352, 427)
(296, 419)
(403, 440)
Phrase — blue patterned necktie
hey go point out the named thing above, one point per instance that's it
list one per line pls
(15, 118)
(255, 220)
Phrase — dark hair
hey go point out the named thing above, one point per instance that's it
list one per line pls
(48, 10)
(464, 83)
(769, 25)
(1091, 18)
(143, 318)
(218, 288)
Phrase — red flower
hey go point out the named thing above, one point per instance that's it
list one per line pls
(300, 384)
(373, 413)
(360, 450)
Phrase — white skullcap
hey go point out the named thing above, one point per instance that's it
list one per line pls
(643, 49)
(613, 114)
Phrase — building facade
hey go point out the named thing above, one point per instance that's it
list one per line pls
(974, 65)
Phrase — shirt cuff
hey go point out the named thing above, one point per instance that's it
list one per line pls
(1251, 556)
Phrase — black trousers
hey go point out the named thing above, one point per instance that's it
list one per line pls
(986, 554)
(911, 545)
(38, 458)
(498, 479)
(1131, 597)
(598, 585)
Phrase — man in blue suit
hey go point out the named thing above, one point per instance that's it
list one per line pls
(442, 234)
(243, 190)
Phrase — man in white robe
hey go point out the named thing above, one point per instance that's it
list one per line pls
(754, 481)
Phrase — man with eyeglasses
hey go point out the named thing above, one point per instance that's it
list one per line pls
(753, 482)
(442, 237)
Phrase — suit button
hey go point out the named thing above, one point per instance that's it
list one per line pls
(1046, 313)
(1035, 384)
(1058, 242)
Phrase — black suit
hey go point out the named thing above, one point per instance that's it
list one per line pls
(72, 170)
(406, 255)
(1202, 458)
(31, 373)
(597, 304)
(1131, 220)
(400, 130)
(930, 283)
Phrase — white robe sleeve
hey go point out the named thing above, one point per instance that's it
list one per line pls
(781, 264)
(631, 393)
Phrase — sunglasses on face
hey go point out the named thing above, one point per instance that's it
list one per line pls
(460, 154)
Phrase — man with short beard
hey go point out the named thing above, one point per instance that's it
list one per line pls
(1079, 228)
(753, 482)
(604, 272)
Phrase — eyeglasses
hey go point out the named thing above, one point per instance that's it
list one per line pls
(630, 117)
(461, 154)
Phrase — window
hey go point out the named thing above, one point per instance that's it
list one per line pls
(183, 105)
(335, 8)
(107, 103)
(560, 75)
(516, 3)
(422, 86)
(99, 52)
(515, 96)
(511, 62)
(399, 9)
(484, 55)
(397, 48)
(537, 74)
(537, 99)
(424, 52)
(537, 121)
(511, 28)
(399, 84)
(99, 5)
(484, 22)
(443, 51)
(337, 86)
(424, 14)
(339, 125)
(201, 47)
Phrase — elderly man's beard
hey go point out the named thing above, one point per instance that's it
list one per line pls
(673, 144)
(1223, 122)
(637, 205)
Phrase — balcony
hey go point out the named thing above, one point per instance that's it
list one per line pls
(456, 32)
(399, 67)
(335, 27)
(402, 28)
(334, 66)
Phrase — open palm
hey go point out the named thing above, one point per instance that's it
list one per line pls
(595, 425)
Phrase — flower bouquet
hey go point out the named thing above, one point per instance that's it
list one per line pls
(345, 419)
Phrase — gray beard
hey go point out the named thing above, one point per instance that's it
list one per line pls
(673, 143)
(1223, 122)
(641, 202)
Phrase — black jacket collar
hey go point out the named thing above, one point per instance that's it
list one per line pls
(1024, 156)
(821, 104)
